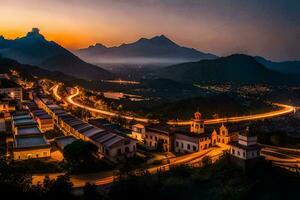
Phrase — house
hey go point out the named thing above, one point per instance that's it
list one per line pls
(113, 146)
(31, 147)
(224, 137)
(245, 152)
(11, 89)
(138, 132)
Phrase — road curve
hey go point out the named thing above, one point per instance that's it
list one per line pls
(285, 110)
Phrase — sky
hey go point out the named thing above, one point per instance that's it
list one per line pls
(269, 28)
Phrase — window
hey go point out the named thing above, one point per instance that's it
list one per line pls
(147, 136)
(238, 153)
(155, 138)
(188, 146)
(151, 137)
(181, 145)
(119, 152)
(126, 149)
(150, 144)
(233, 151)
(177, 144)
(194, 148)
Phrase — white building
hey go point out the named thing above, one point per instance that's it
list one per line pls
(246, 149)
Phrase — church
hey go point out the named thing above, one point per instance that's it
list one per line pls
(182, 140)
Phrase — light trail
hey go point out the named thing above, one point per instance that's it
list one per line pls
(285, 110)
(55, 91)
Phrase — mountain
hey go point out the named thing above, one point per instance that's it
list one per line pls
(34, 49)
(237, 68)
(287, 67)
(159, 49)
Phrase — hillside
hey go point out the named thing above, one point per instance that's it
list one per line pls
(34, 49)
(236, 68)
(287, 67)
(157, 49)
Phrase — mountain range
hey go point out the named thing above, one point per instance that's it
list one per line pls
(158, 49)
(237, 68)
(34, 49)
(286, 67)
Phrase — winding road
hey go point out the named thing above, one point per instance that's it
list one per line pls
(285, 110)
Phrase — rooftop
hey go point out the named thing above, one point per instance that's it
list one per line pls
(28, 131)
(38, 141)
(249, 147)
(62, 142)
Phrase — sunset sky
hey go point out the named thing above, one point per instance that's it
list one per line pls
(269, 28)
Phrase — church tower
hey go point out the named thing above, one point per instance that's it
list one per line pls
(197, 125)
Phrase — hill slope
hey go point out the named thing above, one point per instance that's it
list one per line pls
(156, 49)
(34, 49)
(287, 67)
(236, 68)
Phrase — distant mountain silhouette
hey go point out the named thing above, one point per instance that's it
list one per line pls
(287, 67)
(34, 49)
(156, 49)
(237, 68)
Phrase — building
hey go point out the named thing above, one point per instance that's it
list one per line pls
(7, 106)
(224, 137)
(64, 141)
(186, 142)
(245, 152)
(197, 139)
(28, 141)
(105, 124)
(159, 137)
(182, 140)
(45, 121)
(138, 132)
(11, 89)
(111, 145)
(31, 147)
(20, 120)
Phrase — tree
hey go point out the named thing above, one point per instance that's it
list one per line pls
(206, 161)
(80, 156)
(60, 187)
(90, 192)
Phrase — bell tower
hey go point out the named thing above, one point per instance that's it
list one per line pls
(197, 124)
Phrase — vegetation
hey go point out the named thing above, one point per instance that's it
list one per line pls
(81, 157)
(221, 180)
(37, 166)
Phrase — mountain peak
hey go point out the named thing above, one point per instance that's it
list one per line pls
(98, 45)
(162, 40)
(35, 33)
(160, 37)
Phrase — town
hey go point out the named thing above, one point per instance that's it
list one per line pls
(38, 124)
(149, 99)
